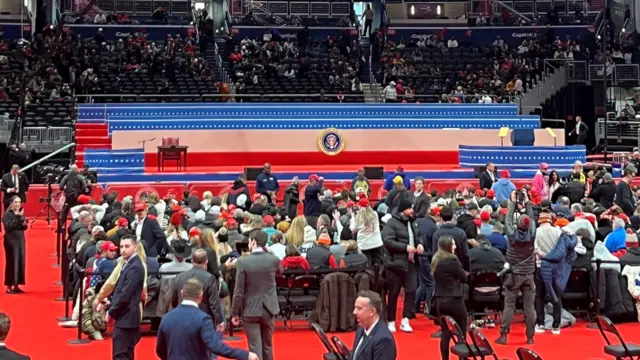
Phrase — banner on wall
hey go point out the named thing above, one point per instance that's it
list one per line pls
(15, 31)
(481, 35)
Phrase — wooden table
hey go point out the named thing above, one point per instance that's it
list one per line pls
(172, 152)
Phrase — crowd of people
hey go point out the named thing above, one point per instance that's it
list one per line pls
(427, 245)
(447, 69)
(293, 65)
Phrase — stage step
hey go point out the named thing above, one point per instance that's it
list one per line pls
(92, 132)
(124, 161)
(93, 140)
(97, 125)
(83, 147)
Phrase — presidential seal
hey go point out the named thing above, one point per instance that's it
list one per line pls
(331, 141)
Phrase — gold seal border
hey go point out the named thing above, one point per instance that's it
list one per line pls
(337, 132)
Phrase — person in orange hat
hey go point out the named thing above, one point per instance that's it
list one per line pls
(320, 257)
(148, 231)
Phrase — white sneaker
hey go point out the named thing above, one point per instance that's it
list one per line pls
(540, 329)
(392, 326)
(555, 331)
(404, 325)
(68, 324)
(96, 335)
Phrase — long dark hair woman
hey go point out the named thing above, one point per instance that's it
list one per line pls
(449, 294)
(14, 248)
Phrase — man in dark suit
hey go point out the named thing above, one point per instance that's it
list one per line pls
(149, 231)
(373, 339)
(580, 131)
(14, 183)
(5, 353)
(488, 177)
(255, 295)
(126, 307)
(187, 332)
(210, 302)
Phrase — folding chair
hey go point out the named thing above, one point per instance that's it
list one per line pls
(331, 353)
(343, 351)
(526, 354)
(461, 347)
(576, 298)
(622, 351)
(480, 342)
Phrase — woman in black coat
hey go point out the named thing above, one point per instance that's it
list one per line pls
(449, 293)
(14, 248)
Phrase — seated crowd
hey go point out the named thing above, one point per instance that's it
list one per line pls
(405, 236)
(281, 65)
(93, 66)
(434, 68)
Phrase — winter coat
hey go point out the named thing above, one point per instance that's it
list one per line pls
(92, 319)
(334, 303)
(395, 237)
(503, 189)
(556, 266)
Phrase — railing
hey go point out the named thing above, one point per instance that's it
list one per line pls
(616, 74)
(221, 68)
(316, 97)
(6, 127)
(323, 9)
(47, 139)
(576, 71)
(146, 7)
(627, 130)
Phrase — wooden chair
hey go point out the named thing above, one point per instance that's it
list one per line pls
(172, 155)
(622, 351)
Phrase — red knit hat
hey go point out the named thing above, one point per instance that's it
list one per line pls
(363, 202)
(176, 219)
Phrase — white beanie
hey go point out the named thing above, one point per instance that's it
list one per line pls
(241, 200)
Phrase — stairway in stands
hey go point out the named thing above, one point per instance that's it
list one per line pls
(91, 136)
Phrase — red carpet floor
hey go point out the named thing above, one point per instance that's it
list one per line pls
(35, 331)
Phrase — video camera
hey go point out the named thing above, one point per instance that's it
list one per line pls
(50, 173)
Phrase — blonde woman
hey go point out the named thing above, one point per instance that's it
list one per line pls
(161, 207)
(209, 243)
(366, 227)
(295, 234)
(352, 257)
(449, 293)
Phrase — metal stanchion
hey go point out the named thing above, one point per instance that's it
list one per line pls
(79, 340)
(58, 247)
(64, 265)
(596, 301)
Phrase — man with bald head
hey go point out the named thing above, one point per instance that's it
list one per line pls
(211, 294)
(267, 184)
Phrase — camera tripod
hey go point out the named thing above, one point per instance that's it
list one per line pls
(48, 209)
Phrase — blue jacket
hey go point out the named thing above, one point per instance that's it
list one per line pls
(312, 205)
(187, 332)
(266, 182)
(503, 189)
(616, 240)
(388, 182)
(555, 267)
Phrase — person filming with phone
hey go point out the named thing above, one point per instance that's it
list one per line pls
(14, 248)
(520, 266)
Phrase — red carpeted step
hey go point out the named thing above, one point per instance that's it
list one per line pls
(82, 132)
(83, 147)
(93, 140)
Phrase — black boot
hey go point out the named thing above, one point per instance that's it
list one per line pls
(502, 340)
(530, 341)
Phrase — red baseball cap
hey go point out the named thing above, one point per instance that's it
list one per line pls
(350, 204)
(123, 222)
(256, 196)
(108, 246)
(314, 177)
(231, 223)
(84, 199)
(194, 231)
(363, 202)
(140, 206)
(485, 216)
(268, 220)
(491, 194)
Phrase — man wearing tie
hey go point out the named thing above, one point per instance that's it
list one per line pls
(580, 131)
(373, 339)
(488, 177)
(255, 295)
(14, 183)
(126, 307)
(187, 332)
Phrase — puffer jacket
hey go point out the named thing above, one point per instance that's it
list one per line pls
(555, 267)
(93, 320)
(395, 236)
